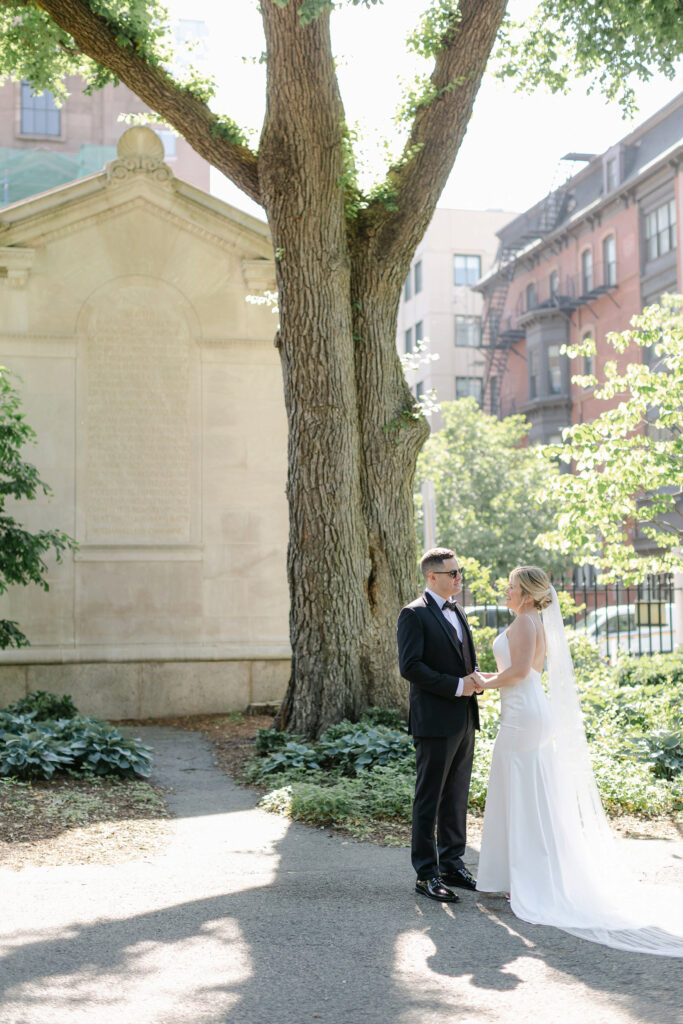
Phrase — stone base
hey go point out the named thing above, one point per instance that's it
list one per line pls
(156, 689)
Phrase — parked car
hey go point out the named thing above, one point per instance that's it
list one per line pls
(496, 616)
(641, 628)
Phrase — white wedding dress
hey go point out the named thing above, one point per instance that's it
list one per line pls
(545, 837)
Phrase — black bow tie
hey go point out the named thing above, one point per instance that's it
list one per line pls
(450, 605)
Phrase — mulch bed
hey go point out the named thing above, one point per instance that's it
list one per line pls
(67, 820)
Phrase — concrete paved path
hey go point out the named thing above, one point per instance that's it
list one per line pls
(249, 919)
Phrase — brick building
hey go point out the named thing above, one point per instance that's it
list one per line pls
(582, 262)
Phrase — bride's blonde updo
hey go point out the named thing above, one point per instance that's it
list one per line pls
(535, 582)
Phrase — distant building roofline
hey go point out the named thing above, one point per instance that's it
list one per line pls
(627, 140)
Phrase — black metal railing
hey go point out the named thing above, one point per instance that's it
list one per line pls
(619, 619)
(565, 292)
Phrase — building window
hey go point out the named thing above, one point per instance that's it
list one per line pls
(554, 370)
(407, 288)
(586, 271)
(533, 373)
(609, 261)
(409, 340)
(466, 270)
(554, 285)
(468, 331)
(531, 297)
(39, 113)
(660, 230)
(419, 389)
(469, 387)
(419, 332)
(417, 273)
(588, 361)
(611, 174)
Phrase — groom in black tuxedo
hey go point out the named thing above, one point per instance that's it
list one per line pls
(436, 655)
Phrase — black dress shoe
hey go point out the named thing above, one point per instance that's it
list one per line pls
(434, 889)
(461, 878)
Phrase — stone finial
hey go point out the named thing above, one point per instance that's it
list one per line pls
(140, 150)
(140, 142)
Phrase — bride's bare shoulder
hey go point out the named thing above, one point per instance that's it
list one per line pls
(523, 626)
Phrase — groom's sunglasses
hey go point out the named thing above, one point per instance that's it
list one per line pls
(455, 574)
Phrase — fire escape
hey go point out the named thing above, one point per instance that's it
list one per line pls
(499, 331)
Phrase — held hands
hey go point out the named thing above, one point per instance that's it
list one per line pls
(472, 683)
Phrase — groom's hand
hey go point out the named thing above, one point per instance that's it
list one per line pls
(471, 684)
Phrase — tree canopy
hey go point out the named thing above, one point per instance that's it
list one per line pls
(627, 479)
(485, 480)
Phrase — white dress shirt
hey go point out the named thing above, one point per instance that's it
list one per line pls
(450, 615)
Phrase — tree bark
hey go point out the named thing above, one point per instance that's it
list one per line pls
(301, 164)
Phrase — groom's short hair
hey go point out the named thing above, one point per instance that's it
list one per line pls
(433, 559)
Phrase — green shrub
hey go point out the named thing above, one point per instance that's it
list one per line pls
(13, 725)
(662, 749)
(268, 740)
(663, 670)
(43, 706)
(489, 713)
(33, 754)
(379, 794)
(483, 637)
(32, 746)
(99, 748)
(629, 787)
(292, 754)
(345, 748)
(481, 767)
(385, 716)
(363, 746)
(589, 665)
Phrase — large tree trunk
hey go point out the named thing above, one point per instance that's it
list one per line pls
(327, 559)
(391, 437)
(351, 544)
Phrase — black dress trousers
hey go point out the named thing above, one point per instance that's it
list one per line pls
(444, 768)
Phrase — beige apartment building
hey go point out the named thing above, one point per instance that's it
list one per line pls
(440, 307)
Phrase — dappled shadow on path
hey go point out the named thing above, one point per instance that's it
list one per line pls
(315, 929)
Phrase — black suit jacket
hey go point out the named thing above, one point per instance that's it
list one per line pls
(432, 659)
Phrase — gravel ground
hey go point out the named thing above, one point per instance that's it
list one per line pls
(247, 918)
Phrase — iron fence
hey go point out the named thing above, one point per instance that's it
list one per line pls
(635, 620)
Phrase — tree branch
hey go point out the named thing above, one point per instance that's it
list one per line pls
(179, 107)
(437, 133)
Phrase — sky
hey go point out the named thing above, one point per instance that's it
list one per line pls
(512, 153)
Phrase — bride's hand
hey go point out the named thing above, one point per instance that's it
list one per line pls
(476, 682)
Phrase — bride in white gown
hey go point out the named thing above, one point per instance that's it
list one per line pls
(545, 839)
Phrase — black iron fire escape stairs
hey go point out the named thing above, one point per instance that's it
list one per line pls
(499, 334)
